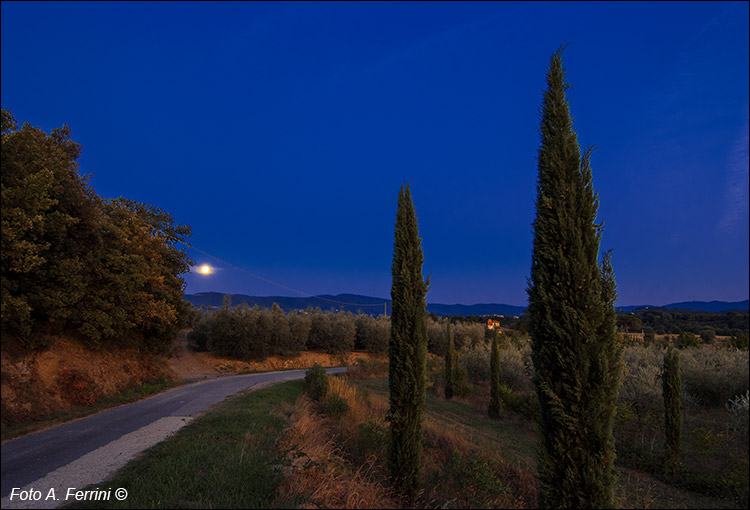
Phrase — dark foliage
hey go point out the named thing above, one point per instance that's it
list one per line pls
(407, 350)
(107, 271)
(575, 351)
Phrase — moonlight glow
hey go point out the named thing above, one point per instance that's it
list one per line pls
(205, 269)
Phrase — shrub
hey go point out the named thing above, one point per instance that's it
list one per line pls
(708, 336)
(649, 337)
(469, 336)
(333, 333)
(200, 334)
(476, 362)
(738, 408)
(365, 369)
(372, 440)
(335, 405)
(472, 481)
(640, 388)
(372, 334)
(462, 387)
(316, 382)
(739, 341)
(515, 368)
(436, 340)
(714, 376)
(525, 404)
(686, 339)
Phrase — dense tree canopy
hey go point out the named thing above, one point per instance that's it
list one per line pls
(107, 271)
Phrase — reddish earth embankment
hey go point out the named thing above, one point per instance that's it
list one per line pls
(68, 375)
(188, 364)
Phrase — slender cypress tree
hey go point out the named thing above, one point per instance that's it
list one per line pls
(450, 361)
(575, 350)
(494, 409)
(407, 349)
(671, 387)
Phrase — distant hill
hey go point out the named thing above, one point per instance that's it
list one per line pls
(701, 306)
(374, 306)
(355, 304)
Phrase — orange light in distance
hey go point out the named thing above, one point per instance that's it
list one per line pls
(205, 269)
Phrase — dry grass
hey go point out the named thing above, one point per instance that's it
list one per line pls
(320, 451)
(329, 467)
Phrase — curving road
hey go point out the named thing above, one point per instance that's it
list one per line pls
(88, 450)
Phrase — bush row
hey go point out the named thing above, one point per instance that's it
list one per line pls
(253, 333)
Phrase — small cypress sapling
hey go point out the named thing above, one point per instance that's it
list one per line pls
(450, 361)
(671, 386)
(494, 409)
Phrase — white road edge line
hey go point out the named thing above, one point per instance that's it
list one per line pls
(97, 465)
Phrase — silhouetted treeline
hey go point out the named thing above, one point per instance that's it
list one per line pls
(104, 270)
(674, 321)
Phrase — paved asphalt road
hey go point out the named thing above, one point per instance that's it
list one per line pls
(32, 457)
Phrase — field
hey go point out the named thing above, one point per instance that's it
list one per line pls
(279, 448)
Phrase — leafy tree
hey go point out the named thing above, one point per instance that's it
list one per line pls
(739, 341)
(299, 330)
(575, 351)
(708, 336)
(372, 333)
(343, 332)
(135, 288)
(494, 409)
(629, 322)
(468, 336)
(450, 362)
(686, 339)
(320, 331)
(282, 342)
(436, 339)
(407, 349)
(649, 337)
(49, 231)
(671, 387)
(109, 269)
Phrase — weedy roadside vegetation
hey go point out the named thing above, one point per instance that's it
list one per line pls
(277, 447)
(338, 460)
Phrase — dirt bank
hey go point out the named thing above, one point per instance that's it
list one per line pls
(68, 375)
(187, 364)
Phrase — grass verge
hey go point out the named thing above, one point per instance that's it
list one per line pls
(126, 397)
(227, 458)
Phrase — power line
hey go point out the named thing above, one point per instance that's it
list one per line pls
(306, 294)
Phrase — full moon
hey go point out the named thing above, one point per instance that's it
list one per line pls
(205, 269)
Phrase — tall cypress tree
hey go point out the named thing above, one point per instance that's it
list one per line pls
(671, 387)
(450, 361)
(494, 408)
(407, 349)
(575, 350)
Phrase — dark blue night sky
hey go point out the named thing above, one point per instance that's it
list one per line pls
(281, 133)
